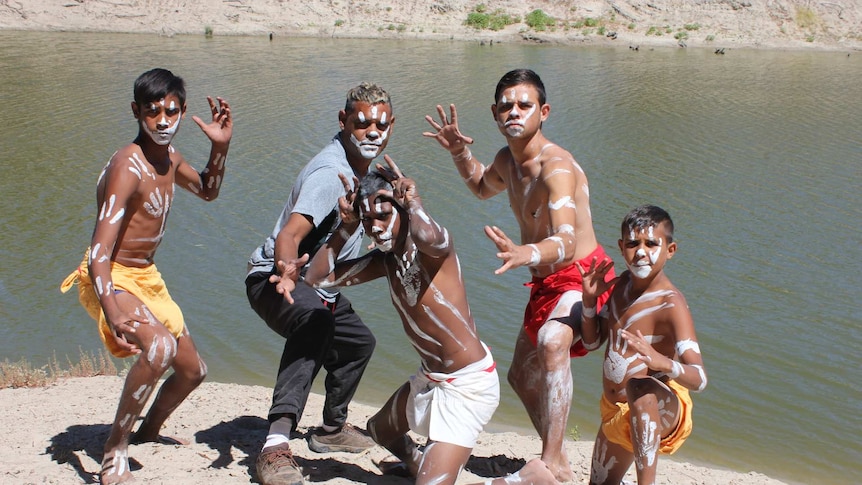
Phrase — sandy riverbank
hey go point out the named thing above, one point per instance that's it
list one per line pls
(778, 24)
(55, 435)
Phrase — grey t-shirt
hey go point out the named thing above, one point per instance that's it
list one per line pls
(315, 194)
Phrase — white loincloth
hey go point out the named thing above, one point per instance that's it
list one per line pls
(454, 408)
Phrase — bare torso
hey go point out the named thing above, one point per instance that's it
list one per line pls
(649, 313)
(435, 315)
(146, 211)
(530, 199)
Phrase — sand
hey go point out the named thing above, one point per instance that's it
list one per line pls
(55, 435)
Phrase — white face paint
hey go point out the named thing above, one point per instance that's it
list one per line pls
(644, 260)
(369, 147)
(382, 238)
(165, 128)
(518, 96)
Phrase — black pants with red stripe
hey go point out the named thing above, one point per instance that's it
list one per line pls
(316, 334)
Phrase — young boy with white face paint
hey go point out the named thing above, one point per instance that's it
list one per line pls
(549, 196)
(118, 283)
(652, 358)
(456, 389)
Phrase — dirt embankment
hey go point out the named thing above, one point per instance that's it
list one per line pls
(779, 24)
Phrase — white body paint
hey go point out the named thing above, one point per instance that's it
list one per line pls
(647, 441)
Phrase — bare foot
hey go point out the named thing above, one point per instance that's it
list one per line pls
(536, 472)
(115, 468)
(139, 438)
(561, 471)
(394, 468)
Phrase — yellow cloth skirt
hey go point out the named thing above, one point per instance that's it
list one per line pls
(144, 283)
(616, 422)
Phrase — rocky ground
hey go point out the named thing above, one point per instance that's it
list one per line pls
(779, 24)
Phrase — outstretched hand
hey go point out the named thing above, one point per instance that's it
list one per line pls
(447, 133)
(513, 255)
(347, 210)
(403, 188)
(287, 275)
(220, 129)
(594, 283)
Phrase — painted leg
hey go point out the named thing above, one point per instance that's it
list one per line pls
(189, 371)
(389, 428)
(524, 377)
(610, 462)
(555, 398)
(654, 414)
(442, 463)
(157, 354)
(529, 377)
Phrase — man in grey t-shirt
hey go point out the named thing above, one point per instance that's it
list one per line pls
(320, 327)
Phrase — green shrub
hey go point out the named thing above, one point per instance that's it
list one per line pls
(478, 20)
(493, 21)
(539, 20)
(591, 22)
(500, 20)
(691, 26)
(339, 23)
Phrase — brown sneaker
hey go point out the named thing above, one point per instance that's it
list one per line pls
(347, 440)
(276, 466)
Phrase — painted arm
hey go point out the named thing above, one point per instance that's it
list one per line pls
(120, 183)
(430, 238)
(557, 248)
(323, 272)
(207, 183)
(483, 181)
(688, 370)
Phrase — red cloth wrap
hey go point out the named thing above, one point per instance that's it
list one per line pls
(545, 293)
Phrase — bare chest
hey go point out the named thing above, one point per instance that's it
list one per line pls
(528, 197)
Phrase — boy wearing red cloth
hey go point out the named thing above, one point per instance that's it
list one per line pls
(549, 196)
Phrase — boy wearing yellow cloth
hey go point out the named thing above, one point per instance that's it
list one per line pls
(652, 358)
(118, 283)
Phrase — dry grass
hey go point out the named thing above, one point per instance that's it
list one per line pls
(22, 373)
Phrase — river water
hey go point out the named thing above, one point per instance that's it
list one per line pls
(756, 155)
